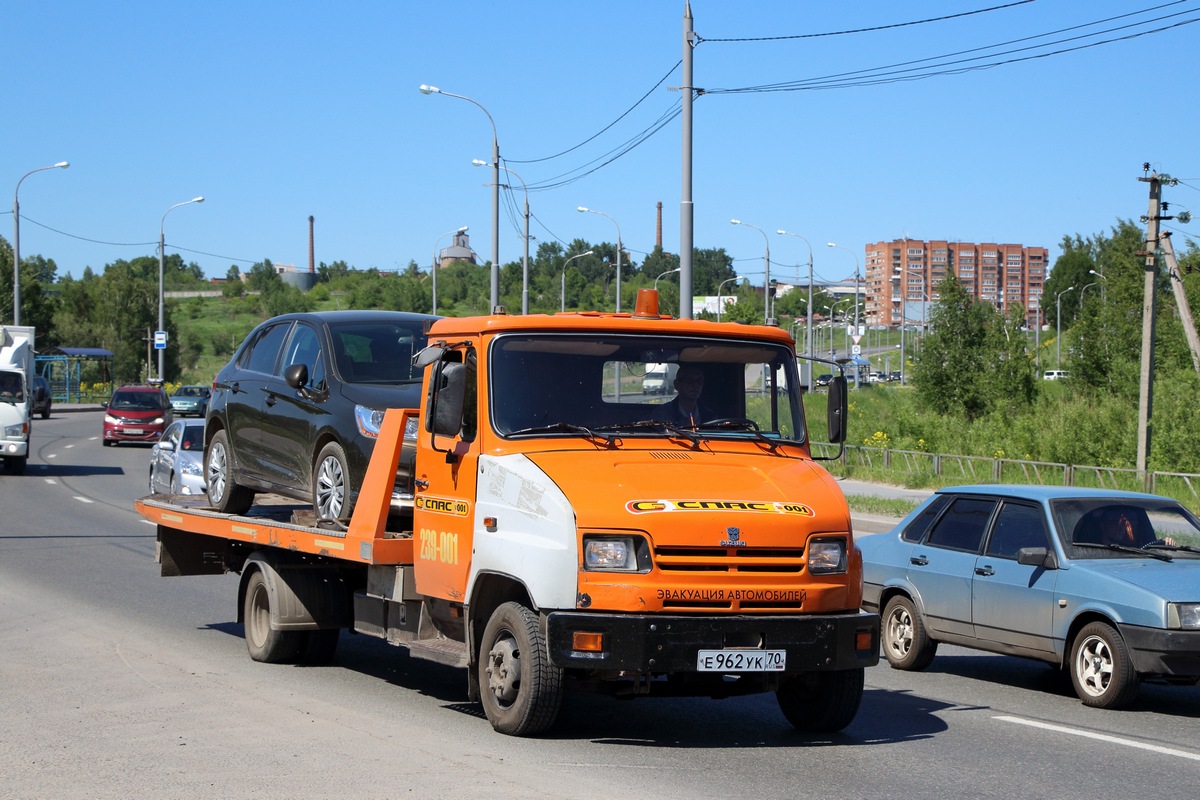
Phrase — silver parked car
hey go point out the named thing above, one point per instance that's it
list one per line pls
(177, 459)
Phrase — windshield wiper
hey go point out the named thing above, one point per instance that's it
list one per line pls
(656, 424)
(741, 425)
(562, 427)
(1121, 548)
(1187, 548)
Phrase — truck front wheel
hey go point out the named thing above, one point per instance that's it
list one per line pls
(265, 644)
(822, 702)
(520, 689)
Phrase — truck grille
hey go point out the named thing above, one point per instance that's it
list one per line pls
(781, 561)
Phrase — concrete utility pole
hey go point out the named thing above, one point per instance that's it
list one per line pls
(686, 207)
(1149, 309)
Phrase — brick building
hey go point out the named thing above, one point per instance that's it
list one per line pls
(902, 277)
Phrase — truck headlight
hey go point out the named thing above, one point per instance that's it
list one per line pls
(1185, 616)
(613, 553)
(826, 556)
(15, 432)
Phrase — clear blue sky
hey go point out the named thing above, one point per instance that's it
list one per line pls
(274, 111)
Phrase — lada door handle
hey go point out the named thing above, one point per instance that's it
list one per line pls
(919, 561)
(985, 571)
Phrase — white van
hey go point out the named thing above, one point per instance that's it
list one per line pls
(658, 378)
(1056, 375)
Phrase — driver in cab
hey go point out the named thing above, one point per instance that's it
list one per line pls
(686, 409)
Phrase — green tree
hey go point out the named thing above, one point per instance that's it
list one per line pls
(954, 372)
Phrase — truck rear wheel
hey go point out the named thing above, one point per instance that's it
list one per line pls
(223, 491)
(822, 702)
(520, 689)
(265, 644)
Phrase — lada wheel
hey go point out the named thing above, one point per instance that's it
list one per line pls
(1101, 668)
(906, 644)
(520, 689)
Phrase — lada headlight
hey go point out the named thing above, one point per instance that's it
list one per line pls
(1185, 616)
(826, 556)
(615, 554)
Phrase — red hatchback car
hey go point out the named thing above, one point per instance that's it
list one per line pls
(136, 414)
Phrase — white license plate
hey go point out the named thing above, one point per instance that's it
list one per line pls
(133, 431)
(741, 660)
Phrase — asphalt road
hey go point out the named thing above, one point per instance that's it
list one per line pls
(118, 683)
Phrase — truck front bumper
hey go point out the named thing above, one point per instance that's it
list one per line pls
(663, 643)
(14, 448)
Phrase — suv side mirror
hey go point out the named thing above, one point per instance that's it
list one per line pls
(296, 376)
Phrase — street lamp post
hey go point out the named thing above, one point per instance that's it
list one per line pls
(161, 265)
(808, 351)
(856, 274)
(586, 210)
(722, 283)
(767, 273)
(563, 300)
(495, 277)
(1058, 324)
(525, 254)
(433, 267)
(17, 238)
(662, 274)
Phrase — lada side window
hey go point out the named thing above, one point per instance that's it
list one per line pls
(916, 529)
(963, 525)
(1017, 525)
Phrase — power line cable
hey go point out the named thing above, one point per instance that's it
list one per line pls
(865, 30)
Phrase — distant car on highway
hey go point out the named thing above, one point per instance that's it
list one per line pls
(136, 414)
(41, 397)
(177, 459)
(1055, 375)
(190, 400)
(824, 378)
(1104, 584)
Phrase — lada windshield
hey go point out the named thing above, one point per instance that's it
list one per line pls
(1098, 527)
(595, 385)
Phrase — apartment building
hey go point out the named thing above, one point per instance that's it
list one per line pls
(902, 277)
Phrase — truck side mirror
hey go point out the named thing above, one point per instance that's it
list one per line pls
(447, 394)
(837, 409)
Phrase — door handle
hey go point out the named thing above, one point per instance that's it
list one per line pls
(271, 400)
(985, 571)
(919, 561)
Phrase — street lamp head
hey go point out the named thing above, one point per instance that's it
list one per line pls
(735, 222)
(199, 199)
(63, 164)
(463, 229)
(781, 232)
(426, 89)
(831, 244)
(478, 162)
(582, 208)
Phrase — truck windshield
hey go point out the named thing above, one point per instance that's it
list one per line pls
(601, 383)
(12, 388)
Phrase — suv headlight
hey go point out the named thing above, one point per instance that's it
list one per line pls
(615, 554)
(1185, 616)
(826, 556)
(369, 420)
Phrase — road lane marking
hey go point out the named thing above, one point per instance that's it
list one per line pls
(1102, 737)
(82, 499)
(52, 482)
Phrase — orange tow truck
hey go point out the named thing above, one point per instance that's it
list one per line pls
(568, 530)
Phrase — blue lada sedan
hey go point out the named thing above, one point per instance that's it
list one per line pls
(1104, 584)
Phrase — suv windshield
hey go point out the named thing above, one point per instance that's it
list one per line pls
(373, 352)
(579, 384)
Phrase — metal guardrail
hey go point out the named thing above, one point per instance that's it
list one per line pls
(912, 467)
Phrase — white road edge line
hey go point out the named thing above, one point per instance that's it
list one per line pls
(82, 499)
(1167, 751)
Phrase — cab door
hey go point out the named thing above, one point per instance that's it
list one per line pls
(446, 478)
